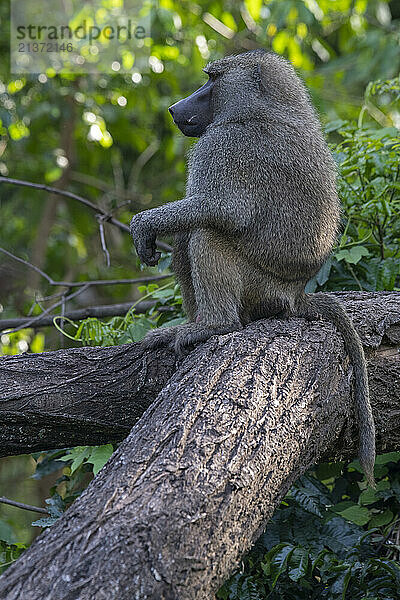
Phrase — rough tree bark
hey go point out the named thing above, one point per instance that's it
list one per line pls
(95, 395)
(189, 490)
(78, 396)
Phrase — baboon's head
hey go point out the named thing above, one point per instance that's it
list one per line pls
(256, 86)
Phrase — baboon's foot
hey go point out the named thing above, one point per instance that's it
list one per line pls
(160, 337)
(183, 338)
(190, 335)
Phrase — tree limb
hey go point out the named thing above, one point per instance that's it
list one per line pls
(190, 489)
(95, 395)
(82, 286)
(76, 397)
(38, 509)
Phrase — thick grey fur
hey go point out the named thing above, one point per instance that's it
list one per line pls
(260, 216)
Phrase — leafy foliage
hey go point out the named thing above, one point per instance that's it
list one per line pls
(332, 537)
(81, 464)
(368, 158)
(20, 341)
(9, 553)
(133, 327)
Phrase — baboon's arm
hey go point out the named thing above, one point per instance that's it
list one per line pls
(191, 213)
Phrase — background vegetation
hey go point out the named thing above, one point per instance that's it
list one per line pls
(111, 139)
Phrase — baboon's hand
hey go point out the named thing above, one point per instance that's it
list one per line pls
(144, 238)
(146, 250)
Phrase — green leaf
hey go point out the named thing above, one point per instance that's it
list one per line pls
(335, 125)
(277, 559)
(53, 175)
(50, 463)
(77, 455)
(311, 285)
(44, 522)
(381, 519)
(385, 485)
(254, 8)
(324, 272)
(378, 134)
(342, 582)
(327, 470)
(368, 496)
(307, 500)
(249, 590)
(99, 456)
(164, 263)
(56, 505)
(173, 322)
(138, 329)
(384, 459)
(355, 513)
(298, 564)
(159, 294)
(355, 465)
(352, 256)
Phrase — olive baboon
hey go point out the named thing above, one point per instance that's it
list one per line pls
(260, 216)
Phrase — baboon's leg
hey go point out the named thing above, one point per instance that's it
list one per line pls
(182, 269)
(217, 283)
(217, 275)
(217, 279)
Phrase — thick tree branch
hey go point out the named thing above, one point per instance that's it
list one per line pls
(95, 395)
(189, 490)
(77, 396)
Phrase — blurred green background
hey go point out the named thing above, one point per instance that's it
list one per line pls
(111, 139)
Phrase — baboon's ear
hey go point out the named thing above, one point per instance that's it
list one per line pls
(260, 75)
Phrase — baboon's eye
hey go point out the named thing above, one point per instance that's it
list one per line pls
(213, 75)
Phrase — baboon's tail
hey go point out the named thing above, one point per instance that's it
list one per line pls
(332, 310)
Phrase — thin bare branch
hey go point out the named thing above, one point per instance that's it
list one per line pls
(103, 239)
(4, 500)
(28, 264)
(52, 190)
(142, 159)
(145, 279)
(71, 284)
(105, 311)
(64, 299)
